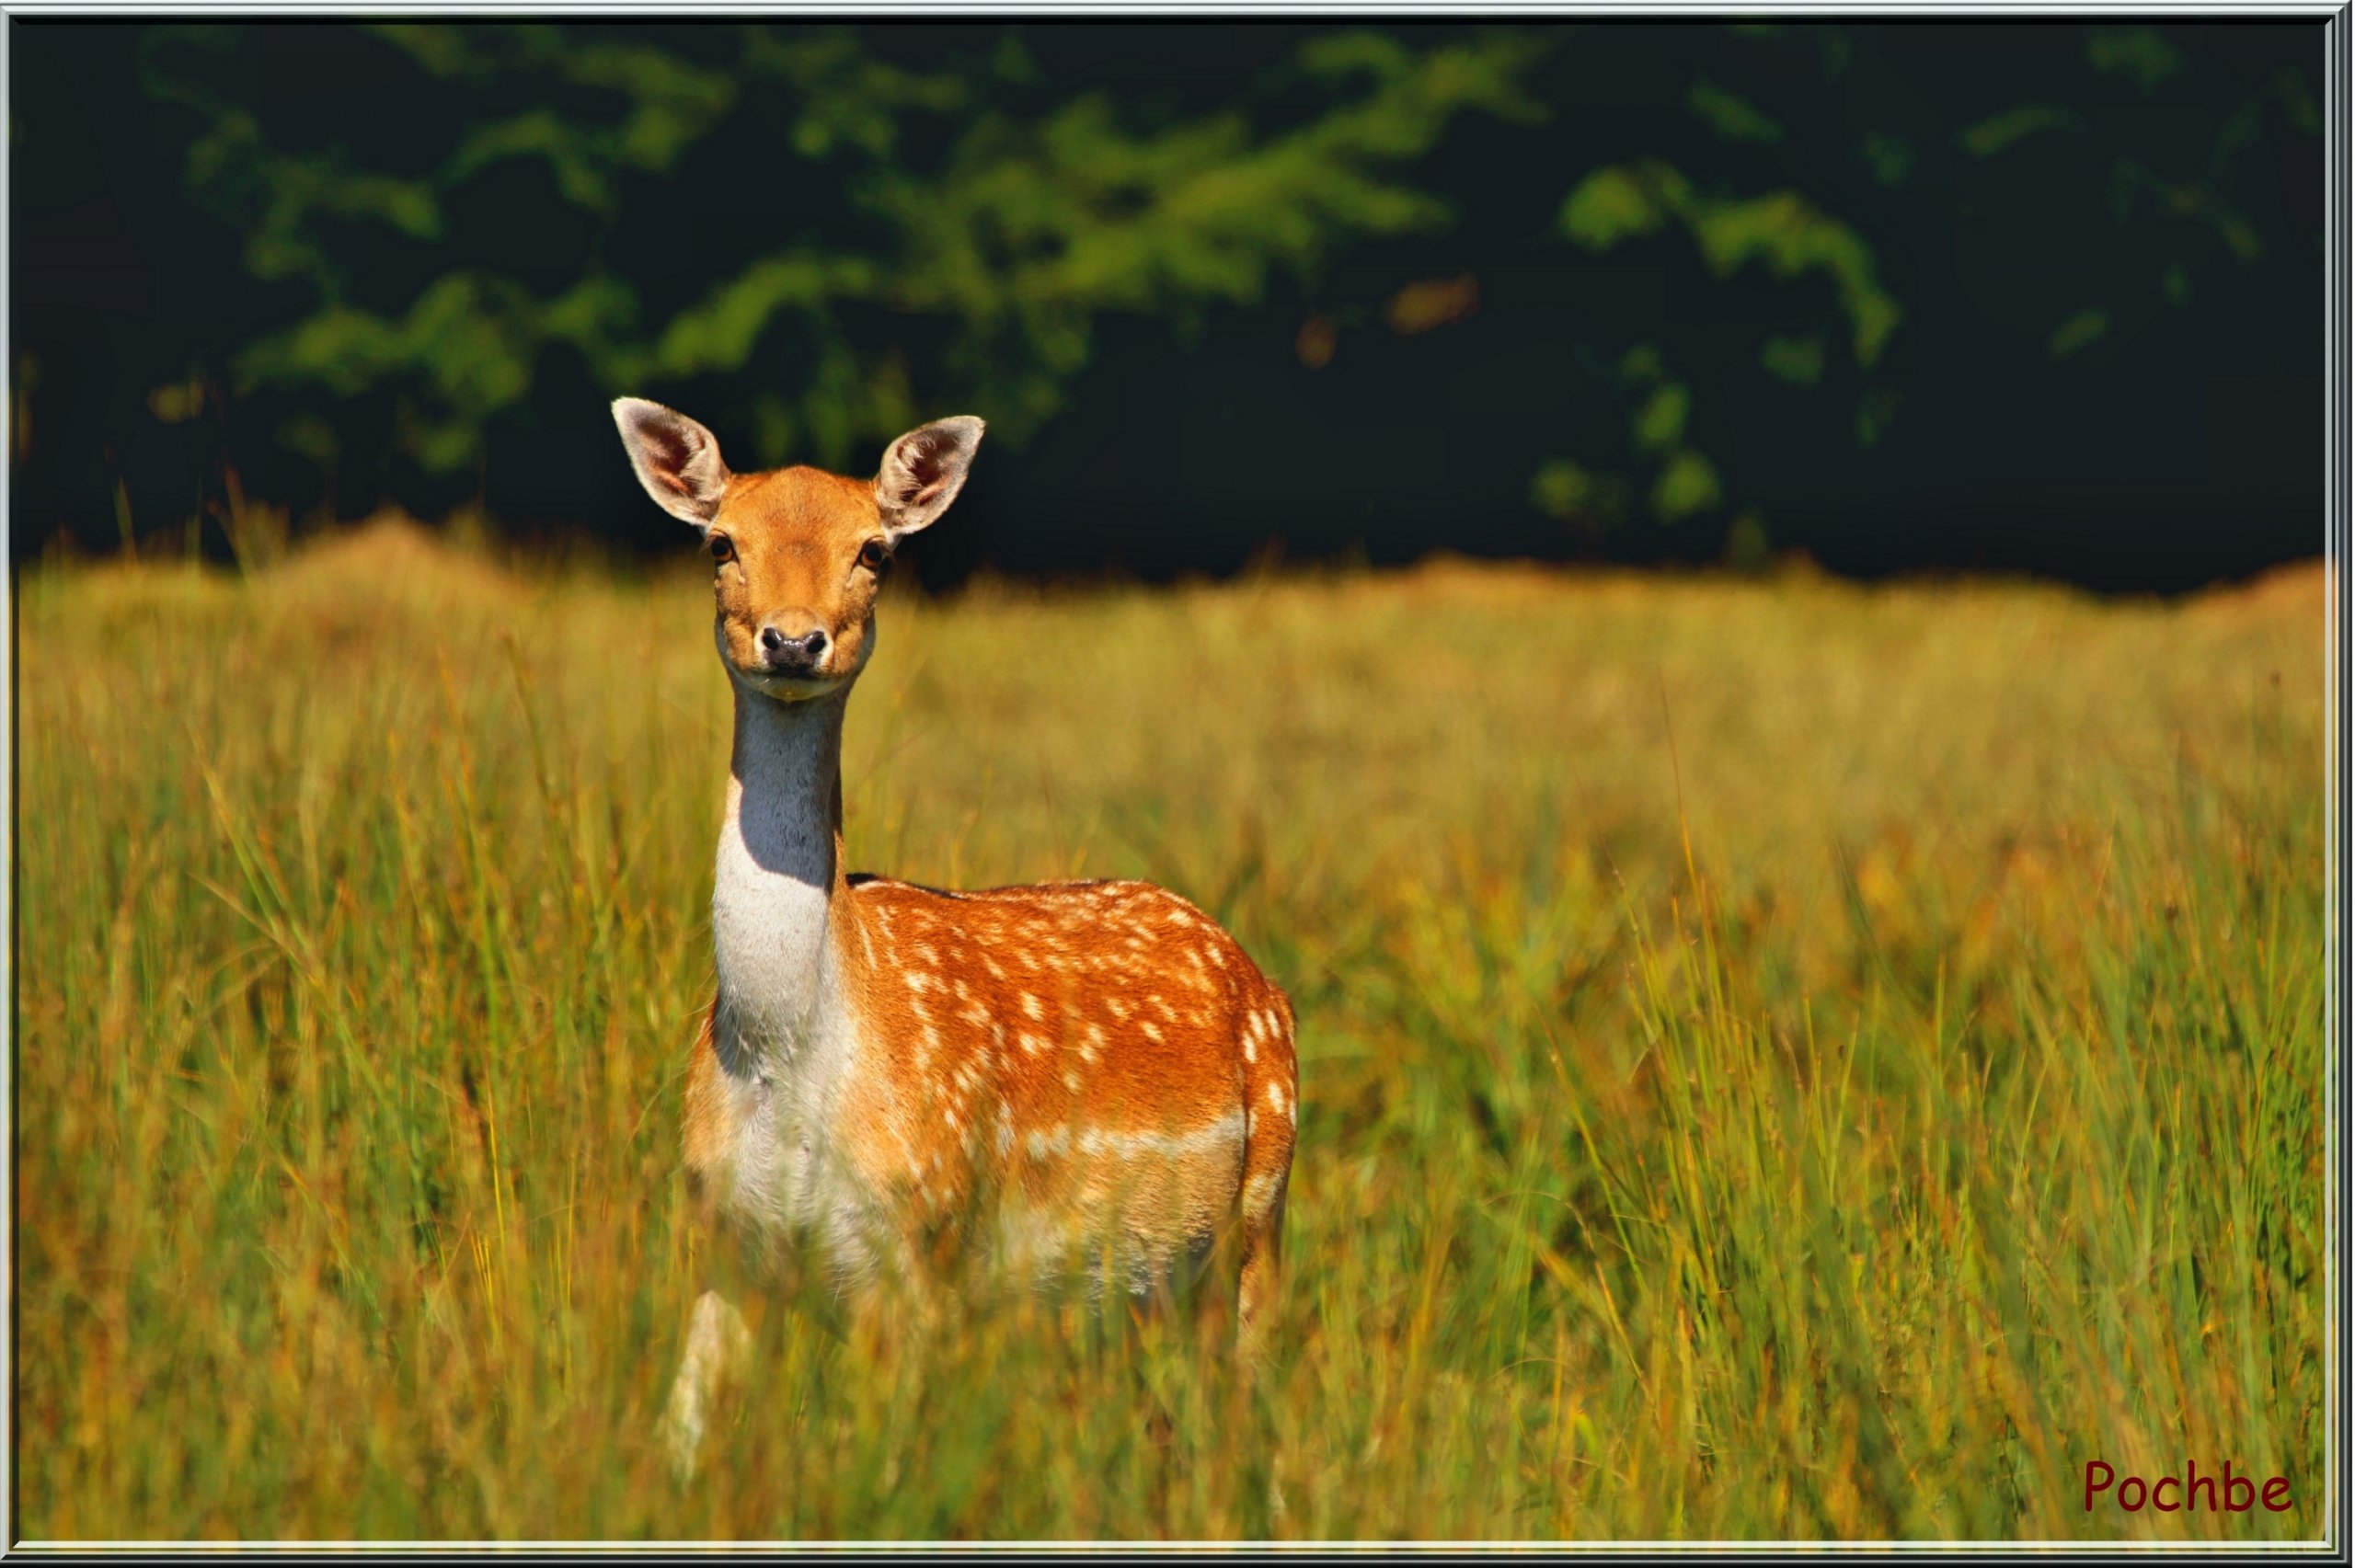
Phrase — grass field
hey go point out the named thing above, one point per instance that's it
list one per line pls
(1779, 1059)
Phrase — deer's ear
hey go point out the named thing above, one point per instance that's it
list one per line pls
(677, 460)
(924, 470)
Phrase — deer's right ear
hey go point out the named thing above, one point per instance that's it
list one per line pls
(677, 460)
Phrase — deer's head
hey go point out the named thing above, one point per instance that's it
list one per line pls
(797, 554)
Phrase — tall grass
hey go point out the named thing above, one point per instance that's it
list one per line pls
(1778, 1059)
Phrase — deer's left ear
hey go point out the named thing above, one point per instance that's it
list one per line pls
(923, 471)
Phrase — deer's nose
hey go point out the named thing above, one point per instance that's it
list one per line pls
(792, 655)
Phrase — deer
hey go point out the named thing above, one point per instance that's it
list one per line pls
(1075, 1077)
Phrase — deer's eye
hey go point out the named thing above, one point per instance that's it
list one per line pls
(875, 555)
(723, 549)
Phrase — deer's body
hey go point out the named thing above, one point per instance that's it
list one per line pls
(1088, 1073)
(1096, 1058)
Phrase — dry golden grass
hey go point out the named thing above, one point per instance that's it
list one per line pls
(1950, 1118)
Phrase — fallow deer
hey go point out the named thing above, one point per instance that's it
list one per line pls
(1088, 1073)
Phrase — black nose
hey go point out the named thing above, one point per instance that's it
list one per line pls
(792, 654)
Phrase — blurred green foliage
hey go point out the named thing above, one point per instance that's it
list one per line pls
(1798, 361)
(405, 246)
(1012, 239)
(2139, 55)
(2008, 127)
(2082, 329)
(1731, 116)
(1890, 157)
(1791, 237)
(1782, 232)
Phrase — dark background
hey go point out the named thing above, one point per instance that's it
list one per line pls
(2103, 243)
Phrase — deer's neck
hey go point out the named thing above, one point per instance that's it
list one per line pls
(774, 905)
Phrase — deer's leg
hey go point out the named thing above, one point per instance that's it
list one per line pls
(717, 1343)
(1265, 1180)
(1257, 1289)
(1260, 1277)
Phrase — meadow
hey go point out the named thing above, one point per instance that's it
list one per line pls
(1779, 1058)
